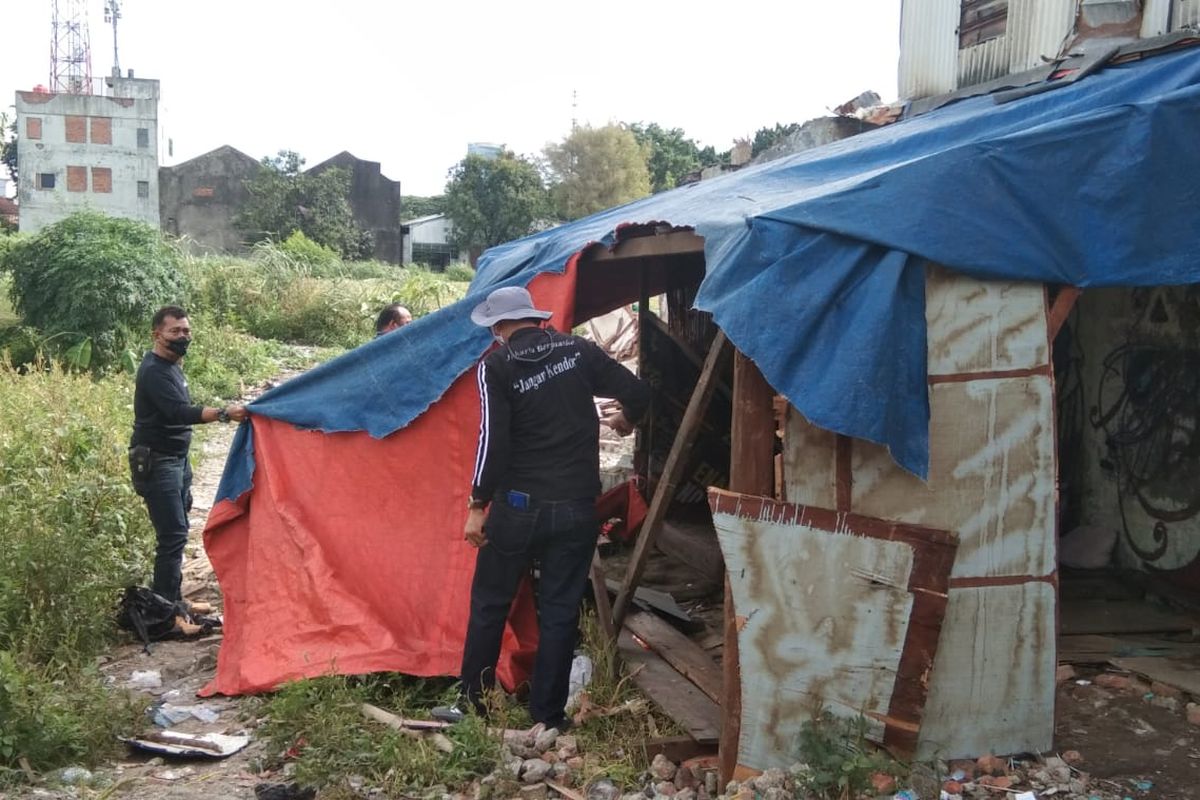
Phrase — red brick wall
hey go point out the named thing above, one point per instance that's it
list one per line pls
(101, 130)
(101, 179)
(77, 179)
(77, 130)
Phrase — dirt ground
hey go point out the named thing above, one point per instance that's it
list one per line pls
(1135, 743)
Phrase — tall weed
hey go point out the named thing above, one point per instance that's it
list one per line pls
(72, 535)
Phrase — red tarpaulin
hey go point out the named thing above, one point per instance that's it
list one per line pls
(347, 555)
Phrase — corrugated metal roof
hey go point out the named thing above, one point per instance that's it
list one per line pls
(1186, 14)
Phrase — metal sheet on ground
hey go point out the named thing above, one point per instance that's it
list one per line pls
(678, 697)
(835, 611)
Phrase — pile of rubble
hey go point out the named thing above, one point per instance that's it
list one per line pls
(543, 765)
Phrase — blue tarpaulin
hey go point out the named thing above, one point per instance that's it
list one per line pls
(815, 262)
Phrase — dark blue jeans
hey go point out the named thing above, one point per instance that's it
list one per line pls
(560, 537)
(168, 495)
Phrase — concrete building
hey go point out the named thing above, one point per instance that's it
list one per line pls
(375, 202)
(427, 240)
(80, 151)
(200, 198)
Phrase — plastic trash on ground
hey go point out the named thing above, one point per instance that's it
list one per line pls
(581, 675)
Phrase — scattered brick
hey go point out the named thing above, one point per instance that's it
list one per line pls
(1064, 673)
(883, 783)
(991, 765)
(1110, 681)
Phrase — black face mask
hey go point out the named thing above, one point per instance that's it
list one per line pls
(179, 346)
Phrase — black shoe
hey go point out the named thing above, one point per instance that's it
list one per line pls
(452, 714)
(562, 725)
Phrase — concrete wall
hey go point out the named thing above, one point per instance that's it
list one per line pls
(1160, 327)
(136, 107)
(375, 201)
(200, 198)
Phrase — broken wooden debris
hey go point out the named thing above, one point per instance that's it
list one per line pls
(1079, 616)
(439, 740)
(684, 655)
(677, 696)
(668, 482)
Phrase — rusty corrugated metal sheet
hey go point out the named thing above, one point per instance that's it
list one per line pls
(1186, 14)
(835, 611)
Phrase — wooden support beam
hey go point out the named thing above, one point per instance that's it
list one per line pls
(668, 482)
(751, 471)
(600, 590)
(664, 244)
(1061, 309)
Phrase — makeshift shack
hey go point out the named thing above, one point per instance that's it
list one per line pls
(898, 559)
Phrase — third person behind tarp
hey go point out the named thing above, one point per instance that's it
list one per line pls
(537, 476)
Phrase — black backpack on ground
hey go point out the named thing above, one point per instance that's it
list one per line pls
(147, 614)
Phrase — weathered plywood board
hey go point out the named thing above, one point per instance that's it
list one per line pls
(991, 476)
(992, 687)
(809, 463)
(992, 482)
(835, 611)
(983, 326)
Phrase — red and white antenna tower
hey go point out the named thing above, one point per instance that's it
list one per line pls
(70, 48)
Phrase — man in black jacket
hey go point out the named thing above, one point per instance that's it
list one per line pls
(163, 416)
(533, 498)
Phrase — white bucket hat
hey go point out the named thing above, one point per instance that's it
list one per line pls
(510, 302)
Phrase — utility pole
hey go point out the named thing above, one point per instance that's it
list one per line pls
(112, 13)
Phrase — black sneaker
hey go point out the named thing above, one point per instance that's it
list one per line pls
(452, 714)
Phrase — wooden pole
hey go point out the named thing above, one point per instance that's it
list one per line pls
(751, 471)
(668, 482)
(600, 591)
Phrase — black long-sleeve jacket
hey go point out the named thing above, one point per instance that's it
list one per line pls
(539, 432)
(163, 413)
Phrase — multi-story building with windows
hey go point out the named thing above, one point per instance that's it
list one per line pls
(97, 151)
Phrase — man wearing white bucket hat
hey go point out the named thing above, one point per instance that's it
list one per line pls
(533, 498)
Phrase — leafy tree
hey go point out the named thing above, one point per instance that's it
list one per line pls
(672, 156)
(422, 206)
(93, 281)
(765, 137)
(283, 200)
(597, 168)
(491, 201)
(8, 145)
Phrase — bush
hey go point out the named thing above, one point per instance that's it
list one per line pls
(460, 272)
(73, 534)
(93, 278)
(273, 296)
(303, 250)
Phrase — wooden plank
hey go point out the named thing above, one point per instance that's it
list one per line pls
(751, 471)
(600, 591)
(678, 697)
(1061, 309)
(672, 473)
(1095, 649)
(1123, 616)
(687, 657)
(662, 244)
(1180, 673)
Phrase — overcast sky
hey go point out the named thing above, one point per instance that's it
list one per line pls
(410, 84)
